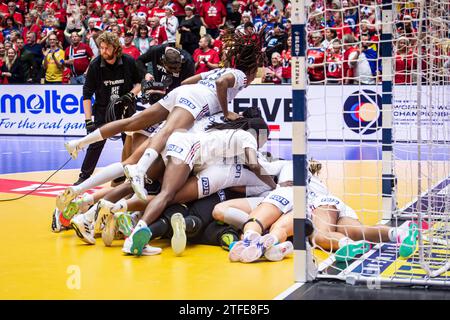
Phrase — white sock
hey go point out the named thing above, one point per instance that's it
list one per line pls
(91, 138)
(88, 199)
(235, 217)
(120, 206)
(141, 224)
(108, 173)
(397, 233)
(345, 241)
(90, 214)
(147, 159)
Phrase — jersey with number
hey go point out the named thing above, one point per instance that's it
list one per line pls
(209, 81)
(316, 56)
(334, 65)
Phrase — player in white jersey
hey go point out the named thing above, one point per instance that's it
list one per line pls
(199, 96)
(237, 139)
(336, 225)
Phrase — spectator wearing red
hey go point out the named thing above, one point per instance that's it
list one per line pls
(316, 59)
(213, 15)
(286, 56)
(30, 25)
(340, 27)
(273, 72)
(14, 13)
(128, 47)
(77, 58)
(157, 32)
(205, 58)
(334, 60)
(404, 61)
(10, 26)
(178, 9)
(159, 10)
(351, 54)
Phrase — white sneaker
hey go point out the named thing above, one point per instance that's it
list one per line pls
(236, 248)
(109, 230)
(147, 251)
(178, 241)
(56, 224)
(103, 214)
(65, 197)
(83, 228)
(256, 249)
(137, 180)
(72, 148)
(279, 251)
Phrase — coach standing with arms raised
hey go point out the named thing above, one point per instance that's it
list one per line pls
(111, 75)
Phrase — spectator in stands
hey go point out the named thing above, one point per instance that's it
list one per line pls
(369, 67)
(12, 70)
(143, 41)
(330, 35)
(286, 63)
(14, 13)
(316, 58)
(170, 23)
(334, 60)
(11, 25)
(235, 16)
(26, 59)
(78, 56)
(351, 54)
(2, 53)
(205, 58)
(73, 25)
(158, 11)
(95, 33)
(190, 30)
(273, 72)
(53, 61)
(276, 41)
(128, 47)
(213, 15)
(36, 50)
(116, 29)
(157, 33)
(404, 61)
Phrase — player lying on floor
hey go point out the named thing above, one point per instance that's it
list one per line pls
(235, 140)
(336, 226)
(201, 95)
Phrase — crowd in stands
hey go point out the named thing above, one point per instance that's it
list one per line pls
(54, 41)
(344, 41)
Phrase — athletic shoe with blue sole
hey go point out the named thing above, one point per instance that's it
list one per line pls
(350, 251)
(140, 239)
(409, 244)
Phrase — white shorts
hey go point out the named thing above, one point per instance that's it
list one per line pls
(184, 147)
(217, 177)
(191, 98)
(282, 198)
(344, 211)
(253, 202)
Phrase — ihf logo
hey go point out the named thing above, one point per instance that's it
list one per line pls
(362, 112)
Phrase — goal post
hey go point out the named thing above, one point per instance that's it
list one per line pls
(383, 139)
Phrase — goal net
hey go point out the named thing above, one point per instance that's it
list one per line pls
(378, 122)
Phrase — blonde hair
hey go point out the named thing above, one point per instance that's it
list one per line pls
(314, 167)
(110, 38)
(10, 63)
